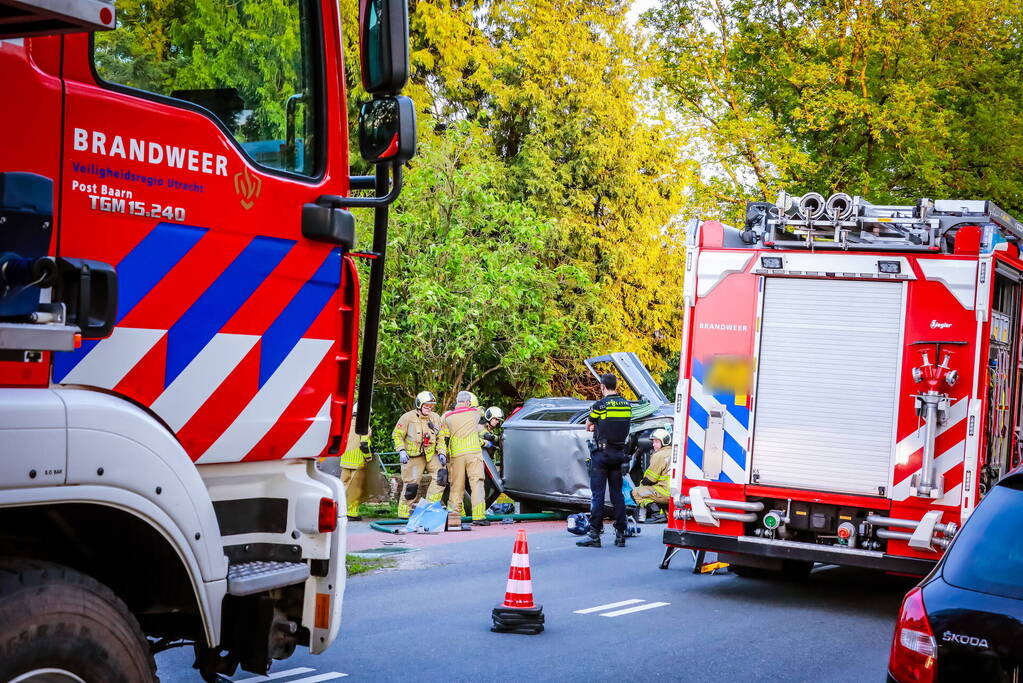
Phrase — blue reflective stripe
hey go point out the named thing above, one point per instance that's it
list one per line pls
(221, 300)
(298, 315)
(734, 450)
(740, 413)
(725, 478)
(697, 371)
(138, 272)
(698, 414)
(694, 452)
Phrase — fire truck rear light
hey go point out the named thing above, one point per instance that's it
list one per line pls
(328, 515)
(914, 650)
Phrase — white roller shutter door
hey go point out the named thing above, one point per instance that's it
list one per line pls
(827, 384)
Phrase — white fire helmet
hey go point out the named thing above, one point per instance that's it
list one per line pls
(424, 397)
(493, 413)
(663, 435)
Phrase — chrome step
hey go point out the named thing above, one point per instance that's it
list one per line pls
(247, 578)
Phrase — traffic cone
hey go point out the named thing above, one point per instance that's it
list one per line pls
(518, 613)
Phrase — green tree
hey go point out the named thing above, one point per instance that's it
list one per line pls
(889, 99)
(470, 300)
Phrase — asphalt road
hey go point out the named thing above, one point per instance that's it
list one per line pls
(429, 620)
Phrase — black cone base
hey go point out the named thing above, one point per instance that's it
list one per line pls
(525, 620)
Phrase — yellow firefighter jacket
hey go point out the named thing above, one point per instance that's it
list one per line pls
(353, 458)
(659, 471)
(416, 433)
(460, 429)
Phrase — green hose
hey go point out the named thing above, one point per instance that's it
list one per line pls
(390, 526)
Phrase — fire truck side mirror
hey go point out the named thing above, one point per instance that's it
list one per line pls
(387, 130)
(383, 45)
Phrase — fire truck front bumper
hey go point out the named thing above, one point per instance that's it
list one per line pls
(794, 550)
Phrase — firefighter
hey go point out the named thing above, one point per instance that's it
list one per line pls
(460, 440)
(609, 421)
(493, 417)
(653, 489)
(415, 439)
(353, 467)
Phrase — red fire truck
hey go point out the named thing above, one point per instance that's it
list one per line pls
(179, 321)
(849, 381)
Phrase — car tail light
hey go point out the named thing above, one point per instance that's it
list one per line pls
(914, 650)
(328, 515)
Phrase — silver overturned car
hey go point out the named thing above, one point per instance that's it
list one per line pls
(545, 443)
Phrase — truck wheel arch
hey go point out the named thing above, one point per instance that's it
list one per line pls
(125, 544)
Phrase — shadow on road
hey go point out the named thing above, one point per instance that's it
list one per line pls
(839, 589)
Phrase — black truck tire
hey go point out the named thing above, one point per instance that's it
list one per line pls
(53, 617)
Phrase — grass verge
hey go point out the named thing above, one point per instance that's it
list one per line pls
(358, 565)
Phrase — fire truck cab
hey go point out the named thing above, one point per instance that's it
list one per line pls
(849, 381)
(179, 324)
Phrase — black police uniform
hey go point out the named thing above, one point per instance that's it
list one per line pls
(611, 416)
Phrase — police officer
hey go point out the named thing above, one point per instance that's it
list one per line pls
(653, 488)
(415, 439)
(609, 421)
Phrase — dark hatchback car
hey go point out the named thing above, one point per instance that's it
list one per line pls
(964, 622)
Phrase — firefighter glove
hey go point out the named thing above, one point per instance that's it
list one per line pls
(403, 456)
(364, 447)
(442, 476)
(646, 482)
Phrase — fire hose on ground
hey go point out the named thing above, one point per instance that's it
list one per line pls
(391, 526)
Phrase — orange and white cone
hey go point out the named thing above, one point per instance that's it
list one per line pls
(518, 613)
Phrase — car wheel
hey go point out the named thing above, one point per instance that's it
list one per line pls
(57, 624)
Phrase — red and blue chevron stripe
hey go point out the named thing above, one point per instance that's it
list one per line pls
(232, 340)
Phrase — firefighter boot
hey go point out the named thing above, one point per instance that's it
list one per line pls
(654, 514)
(619, 538)
(592, 540)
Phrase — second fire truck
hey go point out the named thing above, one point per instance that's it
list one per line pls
(849, 383)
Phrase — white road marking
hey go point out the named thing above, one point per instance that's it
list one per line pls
(319, 677)
(601, 608)
(276, 674)
(638, 608)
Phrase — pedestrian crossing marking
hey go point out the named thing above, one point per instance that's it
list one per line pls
(276, 674)
(316, 678)
(638, 606)
(611, 605)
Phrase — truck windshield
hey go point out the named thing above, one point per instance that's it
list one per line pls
(988, 554)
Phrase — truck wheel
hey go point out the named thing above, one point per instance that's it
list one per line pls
(57, 624)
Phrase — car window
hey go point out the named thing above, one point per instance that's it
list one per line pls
(553, 415)
(988, 553)
(253, 64)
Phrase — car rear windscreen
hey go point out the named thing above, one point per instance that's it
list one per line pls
(988, 554)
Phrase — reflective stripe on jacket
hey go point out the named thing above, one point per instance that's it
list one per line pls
(460, 427)
(416, 433)
(659, 470)
(353, 458)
